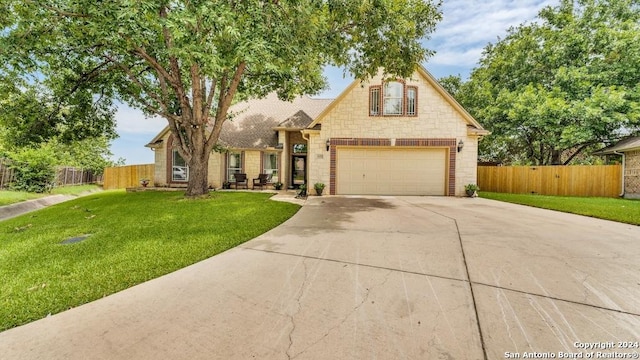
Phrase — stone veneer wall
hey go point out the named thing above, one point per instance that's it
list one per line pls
(437, 119)
(632, 174)
(160, 160)
(252, 165)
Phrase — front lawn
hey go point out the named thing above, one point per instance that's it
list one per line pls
(133, 237)
(621, 210)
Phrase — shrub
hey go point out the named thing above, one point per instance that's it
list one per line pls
(34, 169)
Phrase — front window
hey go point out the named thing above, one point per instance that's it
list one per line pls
(179, 168)
(393, 96)
(270, 162)
(234, 165)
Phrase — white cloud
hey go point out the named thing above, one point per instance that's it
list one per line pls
(133, 121)
(468, 26)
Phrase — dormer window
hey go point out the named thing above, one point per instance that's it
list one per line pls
(394, 98)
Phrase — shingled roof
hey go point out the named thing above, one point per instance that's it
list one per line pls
(630, 143)
(255, 121)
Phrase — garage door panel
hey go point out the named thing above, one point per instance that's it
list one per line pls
(387, 171)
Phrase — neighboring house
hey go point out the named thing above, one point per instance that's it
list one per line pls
(404, 137)
(629, 148)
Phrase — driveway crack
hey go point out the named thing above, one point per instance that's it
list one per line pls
(292, 316)
(365, 298)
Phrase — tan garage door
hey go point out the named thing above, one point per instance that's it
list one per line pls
(391, 171)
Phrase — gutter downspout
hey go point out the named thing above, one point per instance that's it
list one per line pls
(623, 166)
(303, 134)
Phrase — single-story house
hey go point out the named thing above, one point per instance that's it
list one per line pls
(399, 137)
(629, 148)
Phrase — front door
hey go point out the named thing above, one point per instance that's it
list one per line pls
(299, 170)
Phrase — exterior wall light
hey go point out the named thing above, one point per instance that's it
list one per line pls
(328, 143)
(460, 145)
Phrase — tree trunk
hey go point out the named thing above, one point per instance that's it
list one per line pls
(555, 157)
(198, 172)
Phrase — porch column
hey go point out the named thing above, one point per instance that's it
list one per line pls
(285, 158)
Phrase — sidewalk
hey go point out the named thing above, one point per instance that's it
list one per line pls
(17, 209)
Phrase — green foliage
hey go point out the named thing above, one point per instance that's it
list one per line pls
(560, 86)
(92, 154)
(187, 60)
(33, 112)
(34, 169)
(621, 210)
(452, 84)
(39, 276)
(35, 166)
(471, 187)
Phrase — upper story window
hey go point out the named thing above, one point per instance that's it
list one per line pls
(412, 93)
(374, 101)
(394, 98)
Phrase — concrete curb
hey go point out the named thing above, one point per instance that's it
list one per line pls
(13, 210)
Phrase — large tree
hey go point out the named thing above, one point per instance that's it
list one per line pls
(187, 60)
(34, 112)
(566, 82)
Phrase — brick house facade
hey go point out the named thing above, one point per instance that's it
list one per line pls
(379, 137)
(629, 148)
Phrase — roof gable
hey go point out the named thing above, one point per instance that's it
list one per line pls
(475, 127)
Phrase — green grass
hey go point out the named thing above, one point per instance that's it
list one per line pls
(74, 189)
(621, 210)
(134, 237)
(8, 197)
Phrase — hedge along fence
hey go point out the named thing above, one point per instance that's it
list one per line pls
(122, 177)
(573, 180)
(65, 176)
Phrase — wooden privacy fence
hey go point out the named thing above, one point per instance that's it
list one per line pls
(127, 176)
(574, 180)
(65, 176)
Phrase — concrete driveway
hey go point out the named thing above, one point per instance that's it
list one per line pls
(376, 278)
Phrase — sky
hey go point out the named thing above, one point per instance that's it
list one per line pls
(467, 26)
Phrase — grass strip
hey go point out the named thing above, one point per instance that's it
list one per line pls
(8, 197)
(615, 209)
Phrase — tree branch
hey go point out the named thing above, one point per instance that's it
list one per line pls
(209, 103)
(224, 102)
(176, 80)
(580, 149)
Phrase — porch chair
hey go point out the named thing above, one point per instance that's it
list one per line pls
(260, 181)
(241, 179)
